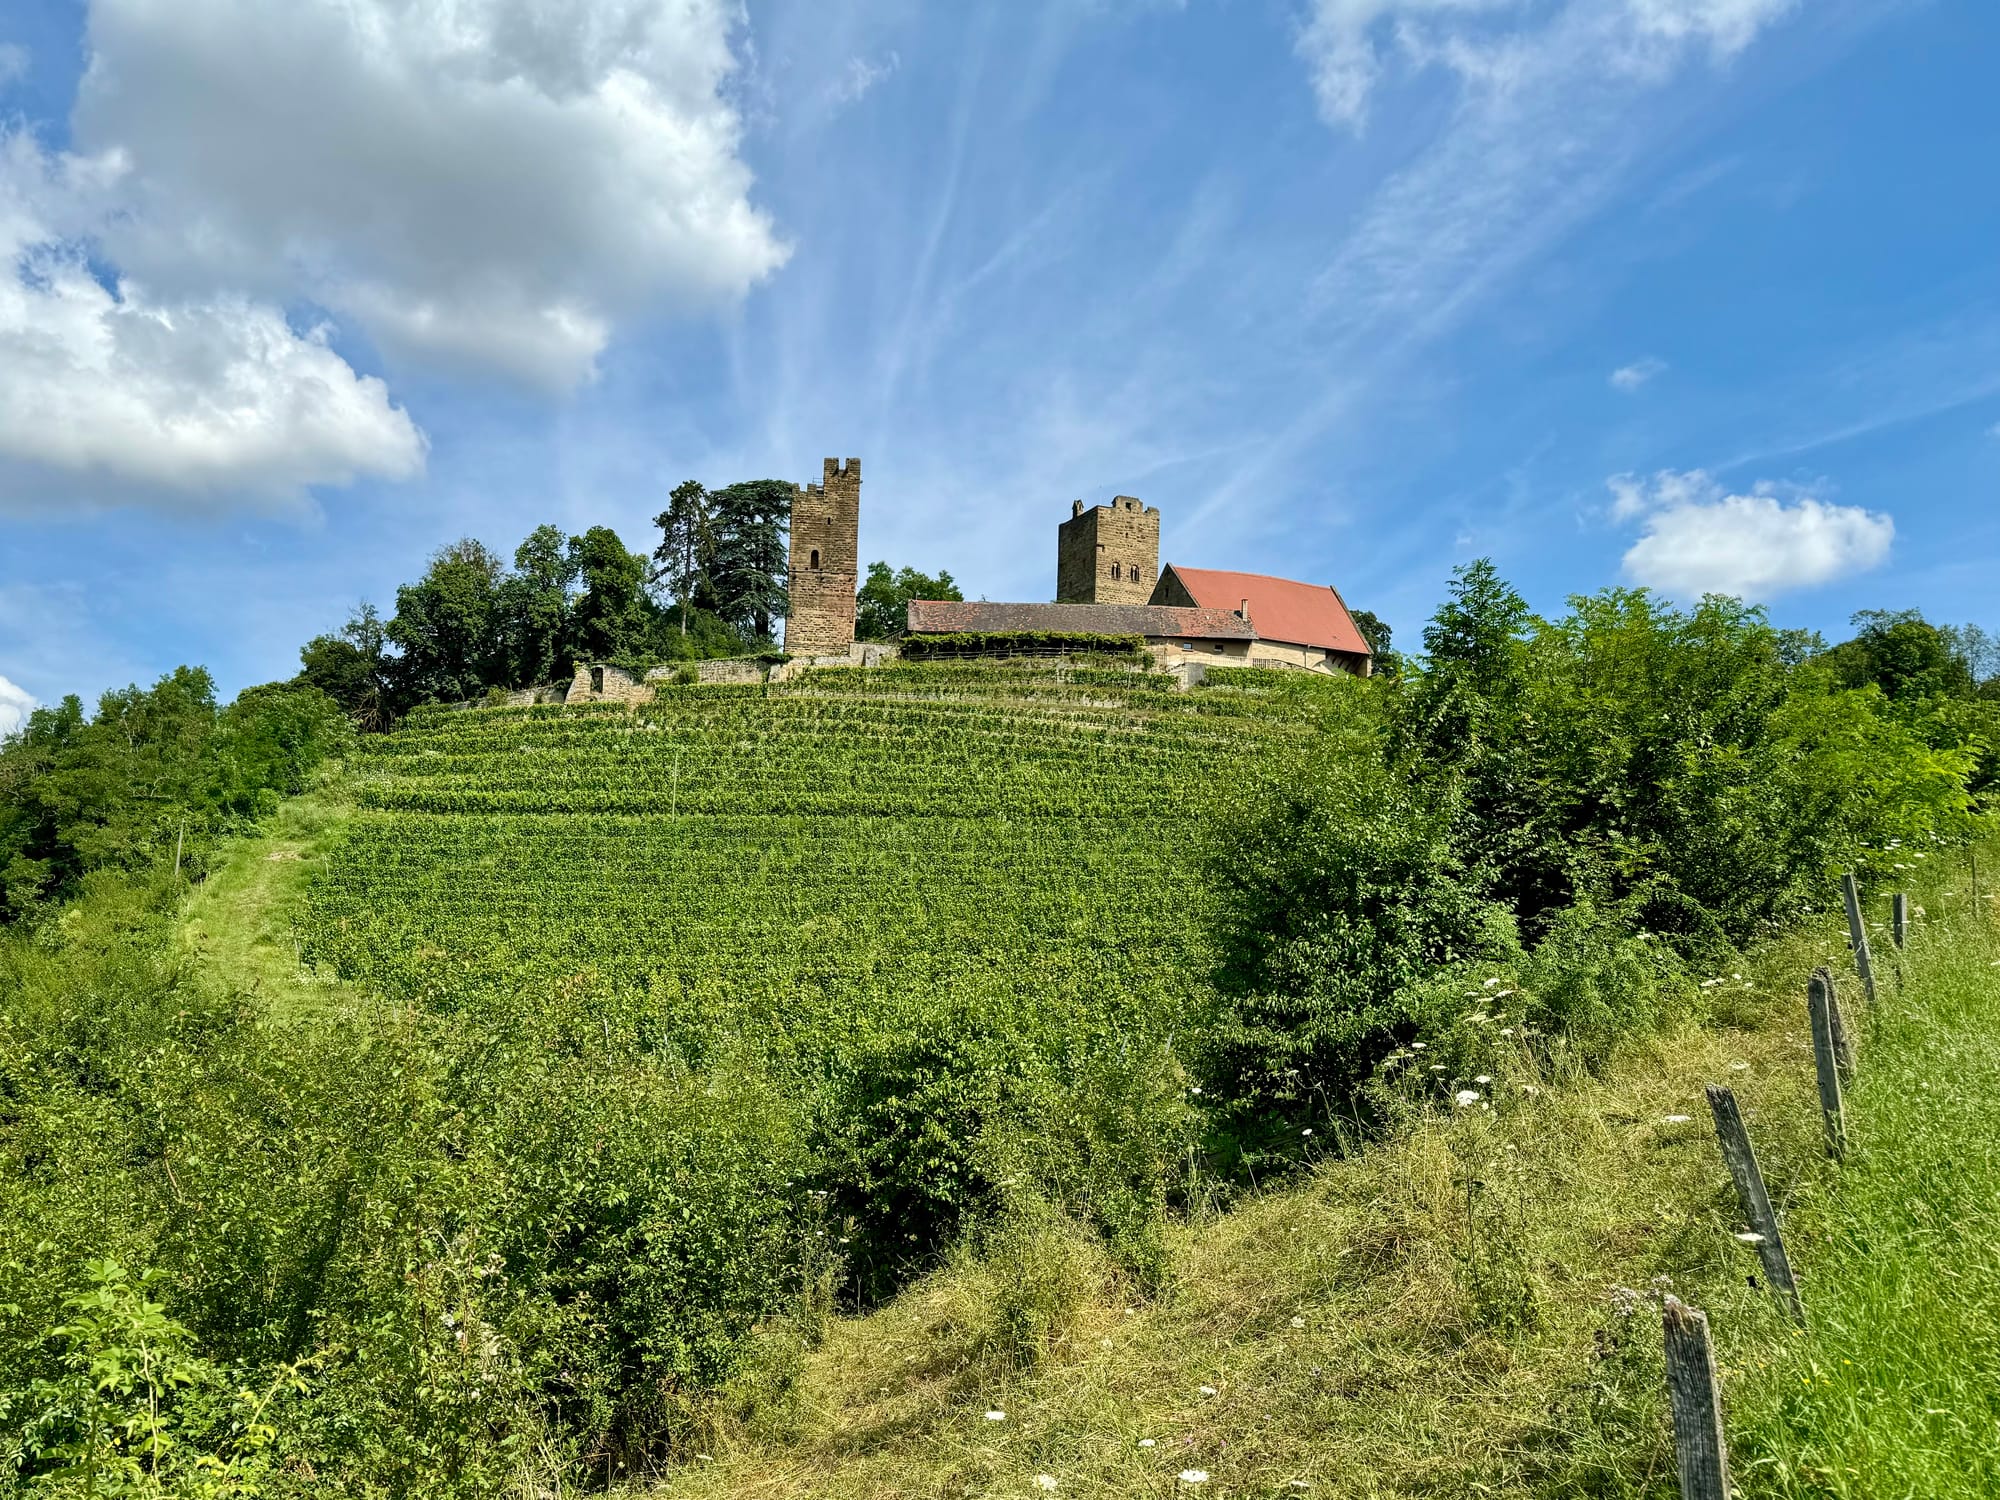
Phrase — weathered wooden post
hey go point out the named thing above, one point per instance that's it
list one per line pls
(1899, 923)
(1696, 1396)
(1750, 1192)
(1843, 1039)
(1832, 1112)
(1857, 935)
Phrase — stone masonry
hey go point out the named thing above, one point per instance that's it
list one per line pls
(825, 562)
(1108, 554)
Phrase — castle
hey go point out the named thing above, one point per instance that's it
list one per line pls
(1108, 582)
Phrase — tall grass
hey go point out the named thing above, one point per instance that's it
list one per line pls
(1895, 1389)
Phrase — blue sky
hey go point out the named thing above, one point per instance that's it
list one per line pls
(1693, 293)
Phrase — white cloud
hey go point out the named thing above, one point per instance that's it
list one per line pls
(13, 65)
(15, 706)
(1499, 45)
(486, 183)
(1696, 538)
(208, 397)
(1630, 377)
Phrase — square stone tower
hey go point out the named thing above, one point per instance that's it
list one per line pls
(1109, 554)
(825, 562)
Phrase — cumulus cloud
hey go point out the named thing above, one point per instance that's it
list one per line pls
(1348, 45)
(15, 706)
(200, 396)
(1696, 538)
(485, 183)
(1630, 377)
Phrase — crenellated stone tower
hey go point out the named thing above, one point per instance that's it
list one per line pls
(1109, 554)
(825, 562)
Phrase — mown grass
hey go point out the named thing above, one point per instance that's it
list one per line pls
(241, 923)
(1471, 1306)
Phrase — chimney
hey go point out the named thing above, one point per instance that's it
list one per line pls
(1243, 609)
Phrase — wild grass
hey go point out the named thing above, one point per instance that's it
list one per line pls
(1472, 1307)
(1895, 1390)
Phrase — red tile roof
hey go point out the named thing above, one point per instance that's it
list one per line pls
(946, 617)
(1301, 614)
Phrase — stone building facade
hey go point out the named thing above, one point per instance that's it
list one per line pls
(825, 562)
(1108, 554)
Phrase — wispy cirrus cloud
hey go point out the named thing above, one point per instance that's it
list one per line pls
(1629, 378)
(1697, 538)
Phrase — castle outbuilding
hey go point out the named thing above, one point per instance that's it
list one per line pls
(1109, 582)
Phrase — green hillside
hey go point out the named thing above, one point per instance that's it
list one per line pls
(910, 897)
(834, 847)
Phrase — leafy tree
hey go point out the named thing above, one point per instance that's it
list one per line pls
(153, 776)
(354, 668)
(687, 545)
(1375, 631)
(448, 626)
(1343, 892)
(535, 605)
(747, 571)
(1906, 656)
(613, 617)
(882, 604)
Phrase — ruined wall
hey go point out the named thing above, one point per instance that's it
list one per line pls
(825, 566)
(1108, 554)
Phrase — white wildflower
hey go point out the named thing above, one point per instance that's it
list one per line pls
(1298, 1322)
(1674, 1119)
(1045, 1481)
(1751, 1237)
(1208, 1390)
(1145, 1442)
(1482, 1078)
(1194, 1476)
(996, 1416)
(1466, 1098)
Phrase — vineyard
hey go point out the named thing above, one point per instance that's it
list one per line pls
(818, 848)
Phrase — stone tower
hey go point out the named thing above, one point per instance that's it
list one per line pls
(1109, 554)
(825, 567)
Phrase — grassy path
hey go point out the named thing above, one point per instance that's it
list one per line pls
(240, 921)
(1472, 1308)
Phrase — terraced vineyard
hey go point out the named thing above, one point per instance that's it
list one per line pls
(827, 856)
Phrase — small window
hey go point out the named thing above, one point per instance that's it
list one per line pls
(1114, 570)
(1187, 645)
(597, 679)
(815, 557)
(1220, 648)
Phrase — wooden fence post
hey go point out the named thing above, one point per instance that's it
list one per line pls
(1825, 1062)
(1899, 925)
(1735, 1141)
(1843, 1039)
(1696, 1395)
(1857, 935)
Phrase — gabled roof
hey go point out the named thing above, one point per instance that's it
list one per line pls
(946, 617)
(1300, 614)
